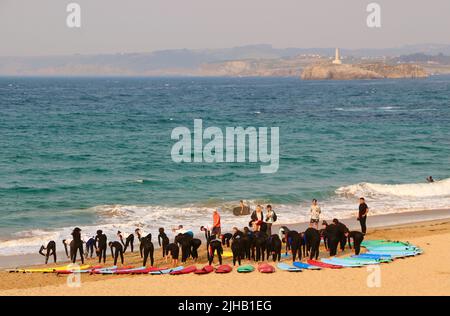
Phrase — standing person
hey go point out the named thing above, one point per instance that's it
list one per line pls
(77, 245)
(315, 214)
(257, 219)
(362, 214)
(271, 217)
(216, 228)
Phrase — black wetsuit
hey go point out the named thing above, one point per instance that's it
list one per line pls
(163, 241)
(215, 245)
(184, 240)
(148, 248)
(312, 237)
(173, 250)
(237, 247)
(332, 235)
(247, 242)
(102, 244)
(363, 218)
(342, 229)
(358, 238)
(118, 250)
(50, 251)
(77, 246)
(129, 241)
(90, 244)
(141, 246)
(274, 247)
(293, 239)
(226, 239)
(195, 244)
(260, 245)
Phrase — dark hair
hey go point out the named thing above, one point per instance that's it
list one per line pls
(335, 220)
(361, 198)
(314, 200)
(161, 229)
(269, 206)
(324, 223)
(99, 232)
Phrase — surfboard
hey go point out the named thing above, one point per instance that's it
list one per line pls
(50, 270)
(99, 271)
(266, 268)
(227, 254)
(246, 269)
(302, 265)
(166, 271)
(122, 270)
(186, 270)
(237, 211)
(362, 261)
(205, 270)
(342, 263)
(287, 267)
(323, 264)
(372, 255)
(225, 268)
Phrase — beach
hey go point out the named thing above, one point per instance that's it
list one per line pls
(426, 274)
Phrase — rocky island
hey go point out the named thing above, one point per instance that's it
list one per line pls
(329, 71)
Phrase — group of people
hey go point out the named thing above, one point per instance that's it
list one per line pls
(255, 242)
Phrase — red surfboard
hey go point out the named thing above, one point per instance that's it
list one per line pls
(225, 268)
(266, 268)
(205, 270)
(323, 264)
(186, 270)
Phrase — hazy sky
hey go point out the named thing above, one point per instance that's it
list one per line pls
(38, 27)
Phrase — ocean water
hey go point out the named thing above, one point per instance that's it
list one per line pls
(95, 152)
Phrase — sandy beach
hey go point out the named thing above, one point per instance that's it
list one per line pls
(426, 274)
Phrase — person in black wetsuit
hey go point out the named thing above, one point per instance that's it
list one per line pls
(358, 238)
(237, 246)
(362, 214)
(215, 245)
(342, 229)
(129, 241)
(68, 244)
(50, 251)
(312, 237)
(260, 244)
(332, 235)
(195, 244)
(247, 242)
(174, 251)
(163, 241)
(139, 235)
(118, 250)
(102, 243)
(148, 248)
(274, 247)
(77, 245)
(226, 239)
(90, 245)
(184, 240)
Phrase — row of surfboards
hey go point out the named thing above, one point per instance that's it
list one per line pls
(378, 251)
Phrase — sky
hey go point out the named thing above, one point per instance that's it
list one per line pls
(34, 28)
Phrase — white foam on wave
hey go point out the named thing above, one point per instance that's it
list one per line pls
(419, 190)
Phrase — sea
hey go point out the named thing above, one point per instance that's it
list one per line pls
(96, 152)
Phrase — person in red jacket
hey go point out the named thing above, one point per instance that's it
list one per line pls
(216, 230)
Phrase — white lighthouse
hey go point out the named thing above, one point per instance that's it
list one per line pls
(337, 58)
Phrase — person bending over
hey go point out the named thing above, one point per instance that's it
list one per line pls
(101, 245)
(358, 238)
(118, 250)
(312, 237)
(341, 233)
(50, 251)
(215, 245)
(129, 241)
(174, 252)
(90, 245)
(332, 235)
(148, 249)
